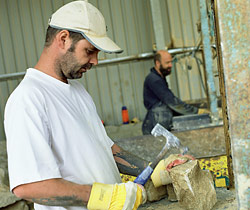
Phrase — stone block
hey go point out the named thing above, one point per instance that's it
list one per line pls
(20, 205)
(171, 193)
(7, 198)
(193, 186)
(153, 193)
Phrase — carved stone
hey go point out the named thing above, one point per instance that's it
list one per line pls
(193, 186)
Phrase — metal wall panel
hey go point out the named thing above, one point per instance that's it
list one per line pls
(183, 16)
(22, 33)
(121, 84)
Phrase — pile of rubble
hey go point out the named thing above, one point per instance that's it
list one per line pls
(8, 201)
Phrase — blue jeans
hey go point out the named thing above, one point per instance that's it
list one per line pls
(159, 113)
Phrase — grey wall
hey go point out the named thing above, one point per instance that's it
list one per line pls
(22, 32)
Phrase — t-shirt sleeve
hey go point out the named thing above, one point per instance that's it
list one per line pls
(30, 157)
(109, 141)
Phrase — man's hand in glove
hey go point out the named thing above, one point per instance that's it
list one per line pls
(203, 111)
(160, 175)
(124, 196)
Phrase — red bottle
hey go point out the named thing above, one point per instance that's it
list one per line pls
(125, 117)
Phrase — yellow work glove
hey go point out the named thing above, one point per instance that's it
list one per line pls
(124, 196)
(203, 111)
(160, 175)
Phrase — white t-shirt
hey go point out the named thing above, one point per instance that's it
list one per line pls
(53, 131)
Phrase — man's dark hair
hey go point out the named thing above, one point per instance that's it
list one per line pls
(52, 32)
(157, 57)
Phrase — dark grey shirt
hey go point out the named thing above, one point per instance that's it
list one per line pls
(156, 90)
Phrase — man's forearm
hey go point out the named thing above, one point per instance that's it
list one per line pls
(54, 192)
(128, 163)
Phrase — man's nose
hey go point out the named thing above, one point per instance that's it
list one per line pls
(94, 59)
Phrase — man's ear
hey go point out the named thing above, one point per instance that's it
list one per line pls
(157, 63)
(63, 40)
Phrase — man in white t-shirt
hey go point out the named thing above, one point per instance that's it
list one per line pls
(59, 155)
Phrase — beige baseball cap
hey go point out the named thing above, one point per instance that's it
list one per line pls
(84, 18)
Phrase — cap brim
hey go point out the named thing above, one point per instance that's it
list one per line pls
(104, 44)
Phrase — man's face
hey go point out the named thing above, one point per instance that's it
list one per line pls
(165, 71)
(165, 64)
(72, 65)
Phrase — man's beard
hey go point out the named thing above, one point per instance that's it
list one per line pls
(165, 71)
(67, 67)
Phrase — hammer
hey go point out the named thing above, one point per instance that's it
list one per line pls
(171, 141)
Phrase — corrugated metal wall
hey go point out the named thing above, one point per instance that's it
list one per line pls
(22, 33)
